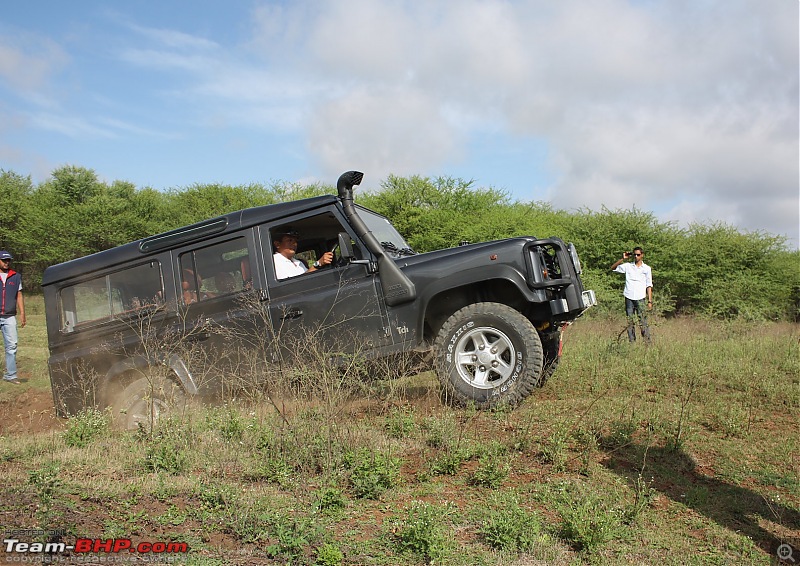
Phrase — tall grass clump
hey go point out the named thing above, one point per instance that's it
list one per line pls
(508, 526)
(86, 426)
(372, 473)
(167, 447)
(423, 533)
(493, 467)
(588, 520)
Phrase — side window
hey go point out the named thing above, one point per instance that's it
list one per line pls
(297, 245)
(215, 271)
(112, 296)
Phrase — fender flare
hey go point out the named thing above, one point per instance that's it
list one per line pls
(174, 362)
(475, 276)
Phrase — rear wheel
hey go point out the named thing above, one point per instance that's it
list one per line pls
(145, 400)
(488, 354)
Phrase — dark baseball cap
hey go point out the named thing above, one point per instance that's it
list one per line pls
(5, 255)
(286, 231)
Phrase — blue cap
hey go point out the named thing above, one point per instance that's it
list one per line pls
(5, 255)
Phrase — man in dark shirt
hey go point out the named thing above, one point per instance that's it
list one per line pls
(11, 304)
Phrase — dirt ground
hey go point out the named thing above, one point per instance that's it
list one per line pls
(30, 411)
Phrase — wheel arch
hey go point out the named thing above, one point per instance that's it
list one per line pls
(122, 372)
(441, 304)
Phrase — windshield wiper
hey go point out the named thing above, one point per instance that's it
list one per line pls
(393, 249)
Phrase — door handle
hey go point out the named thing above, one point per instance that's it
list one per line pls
(292, 314)
(198, 337)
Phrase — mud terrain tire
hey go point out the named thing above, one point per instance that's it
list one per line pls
(488, 354)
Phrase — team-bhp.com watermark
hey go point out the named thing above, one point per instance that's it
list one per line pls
(90, 550)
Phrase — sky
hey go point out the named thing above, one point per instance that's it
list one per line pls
(687, 109)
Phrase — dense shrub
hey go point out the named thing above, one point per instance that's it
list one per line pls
(714, 270)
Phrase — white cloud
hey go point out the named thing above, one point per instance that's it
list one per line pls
(641, 102)
(400, 132)
(174, 39)
(28, 63)
(686, 107)
(71, 126)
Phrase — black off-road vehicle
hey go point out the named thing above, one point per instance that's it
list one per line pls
(488, 314)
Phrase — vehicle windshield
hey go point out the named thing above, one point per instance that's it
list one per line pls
(385, 233)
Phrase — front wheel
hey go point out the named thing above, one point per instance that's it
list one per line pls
(145, 400)
(488, 354)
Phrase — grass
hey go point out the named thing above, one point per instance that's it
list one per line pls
(681, 452)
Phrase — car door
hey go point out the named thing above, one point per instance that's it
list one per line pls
(219, 315)
(331, 311)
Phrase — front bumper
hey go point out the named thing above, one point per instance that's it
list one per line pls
(560, 307)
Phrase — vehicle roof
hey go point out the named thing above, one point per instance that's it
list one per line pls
(152, 245)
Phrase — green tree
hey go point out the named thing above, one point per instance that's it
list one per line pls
(74, 184)
(438, 213)
(714, 269)
(15, 191)
(730, 273)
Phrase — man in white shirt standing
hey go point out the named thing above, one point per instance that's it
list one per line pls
(286, 265)
(638, 290)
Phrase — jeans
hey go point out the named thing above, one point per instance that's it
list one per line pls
(636, 310)
(8, 325)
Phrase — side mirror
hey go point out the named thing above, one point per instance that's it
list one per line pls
(346, 246)
(348, 256)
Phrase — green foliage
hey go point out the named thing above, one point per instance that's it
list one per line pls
(292, 536)
(166, 450)
(46, 481)
(331, 499)
(738, 381)
(329, 554)
(274, 469)
(372, 473)
(435, 213)
(227, 421)
(554, 448)
(589, 522)
(399, 424)
(602, 236)
(215, 496)
(448, 462)
(84, 427)
(730, 274)
(715, 270)
(164, 456)
(643, 496)
(423, 533)
(511, 528)
(493, 468)
(252, 523)
(440, 432)
(15, 192)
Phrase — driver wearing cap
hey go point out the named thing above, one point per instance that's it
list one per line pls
(286, 265)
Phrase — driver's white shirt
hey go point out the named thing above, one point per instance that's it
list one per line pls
(285, 267)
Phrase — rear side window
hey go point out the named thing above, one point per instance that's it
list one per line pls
(112, 296)
(214, 271)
